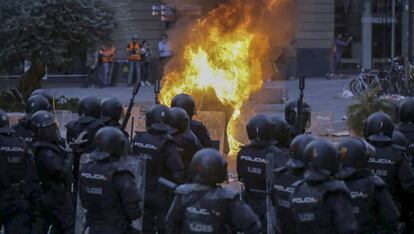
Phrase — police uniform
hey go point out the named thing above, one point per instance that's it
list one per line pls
(187, 146)
(201, 133)
(24, 130)
(53, 165)
(108, 192)
(372, 204)
(19, 185)
(163, 160)
(251, 169)
(201, 208)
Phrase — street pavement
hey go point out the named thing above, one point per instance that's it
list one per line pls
(323, 95)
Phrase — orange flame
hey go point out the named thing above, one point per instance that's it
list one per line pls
(226, 53)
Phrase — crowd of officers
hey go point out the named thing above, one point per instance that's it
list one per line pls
(359, 186)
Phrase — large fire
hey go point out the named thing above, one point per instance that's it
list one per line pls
(226, 54)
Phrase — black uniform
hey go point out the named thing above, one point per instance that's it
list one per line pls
(201, 133)
(19, 185)
(163, 160)
(201, 208)
(187, 146)
(108, 192)
(54, 171)
(322, 205)
(206, 207)
(393, 167)
(408, 130)
(372, 204)
(251, 169)
(24, 130)
(283, 180)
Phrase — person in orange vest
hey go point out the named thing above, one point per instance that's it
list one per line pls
(134, 60)
(107, 55)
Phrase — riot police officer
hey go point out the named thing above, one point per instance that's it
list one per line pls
(23, 128)
(186, 102)
(292, 117)
(163, 160)
(187, 142)
(204, 206)
(284, 178)
(406, 125)
(372, 203)
(251, 163)
(388, 162)
(19, 185)
(281, 133)
(112, 111)
(54, 168)
(319, 203)
(107, 186)
(81, 132)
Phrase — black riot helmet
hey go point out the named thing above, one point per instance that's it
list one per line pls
(281, 131)
(180, 119)
(45, 94)
(378, 127)
(260, 128)
(112, 109)
(322, 156)
(406, 111)
(292, 114)
(297, 150)
(110, 140)
(208, 167)
(45, 126)
(186, 102)
(158, 118)
(90, 107)
(399, 141)
(354, 153)
(37, 103)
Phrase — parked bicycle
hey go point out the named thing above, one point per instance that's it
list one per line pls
(369, 80)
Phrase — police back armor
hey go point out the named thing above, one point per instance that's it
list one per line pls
(283, 180)
(75, 127)
(14, 164)
(313, 213)
(393, 167)
(187, 145)
(372, 204)
(251, 166)
(98, 195)
(207, 209)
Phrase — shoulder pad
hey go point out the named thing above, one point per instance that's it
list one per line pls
(280, 169)
(336, 186)
(297, 183)
(273, 149)
(189, 188)
(227, 193)
(377, 181)
(197, 123)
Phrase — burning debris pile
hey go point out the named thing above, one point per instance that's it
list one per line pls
(225, 55)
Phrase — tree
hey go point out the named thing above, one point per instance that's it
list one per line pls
(50, 32)
(367, 104)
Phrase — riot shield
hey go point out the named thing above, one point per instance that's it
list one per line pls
(137, 164)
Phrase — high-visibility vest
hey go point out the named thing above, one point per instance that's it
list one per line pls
(134, 52)
(108, 54)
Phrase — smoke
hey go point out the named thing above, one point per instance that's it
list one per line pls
(273, 21)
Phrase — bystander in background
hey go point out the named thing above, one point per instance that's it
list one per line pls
(107, 54)
(336, 54)
(92, 57)
(134, 60)
(146, 63)
(165, 52)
